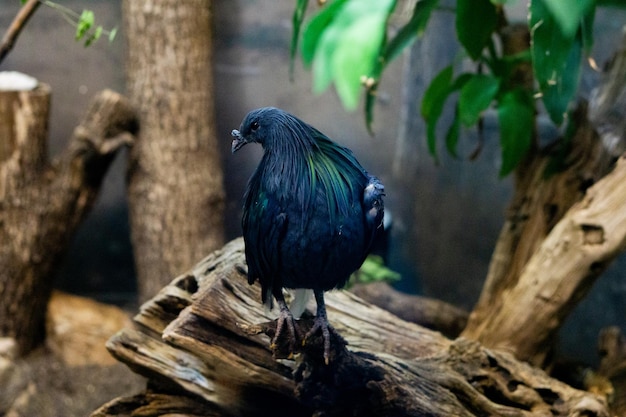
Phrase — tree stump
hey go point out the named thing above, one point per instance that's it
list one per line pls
(42, 203)
(203, 342)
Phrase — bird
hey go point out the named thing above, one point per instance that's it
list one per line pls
(310, 215)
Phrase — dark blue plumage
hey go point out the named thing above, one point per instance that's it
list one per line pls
(311, 212)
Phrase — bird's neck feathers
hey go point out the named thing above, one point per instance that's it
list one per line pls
(299, 161)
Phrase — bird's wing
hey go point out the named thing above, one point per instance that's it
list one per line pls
(338, 172)
(373, 207)
(264, 224)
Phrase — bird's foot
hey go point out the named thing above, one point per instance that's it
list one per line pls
(286, 327)
(321, 324)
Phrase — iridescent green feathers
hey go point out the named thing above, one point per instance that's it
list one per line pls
(336, 170)
(298, 160)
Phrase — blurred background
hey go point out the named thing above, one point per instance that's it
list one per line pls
(446, 216)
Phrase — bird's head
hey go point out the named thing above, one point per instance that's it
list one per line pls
(274, 129)
(256, 127)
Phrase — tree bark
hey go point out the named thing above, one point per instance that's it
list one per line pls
(200, 339)
(41, 204)
(582, 244)
(175, 180)
(560, 233)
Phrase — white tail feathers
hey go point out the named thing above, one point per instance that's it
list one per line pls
(301, 298)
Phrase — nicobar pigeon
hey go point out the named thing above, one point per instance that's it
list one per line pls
(310, 215)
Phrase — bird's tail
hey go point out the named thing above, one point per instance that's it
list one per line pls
(301, 298)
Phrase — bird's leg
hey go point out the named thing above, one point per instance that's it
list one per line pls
(285, 322)
(321, 323)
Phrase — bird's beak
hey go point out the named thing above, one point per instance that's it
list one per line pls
(238, 140)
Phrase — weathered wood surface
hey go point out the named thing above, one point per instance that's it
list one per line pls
(561, 270)
(428, 312)
(612, 371)
(561, 231)
(42, 202)
(200, 338)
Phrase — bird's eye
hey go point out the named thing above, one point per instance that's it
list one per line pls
(254, 126)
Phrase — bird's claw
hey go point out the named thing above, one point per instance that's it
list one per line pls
(286, 324)
(321, 323)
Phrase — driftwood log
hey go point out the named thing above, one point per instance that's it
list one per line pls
(202, 347)
(565, 225)
(427, 312)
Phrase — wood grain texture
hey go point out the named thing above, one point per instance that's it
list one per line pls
(42, 202)
(564, 226)
(175, 189)
(207, 335)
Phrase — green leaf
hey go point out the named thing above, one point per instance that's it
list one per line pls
(612, 3)
(322, 63)
(412, 30)
(452, 136)
(476, 96)
(296, 20)
(316, 28)
(476, 20)
(94, 36)
(432, 105)
(460, 81)
(353, 58)
(516, 118)
(556, 61)
(568, 13)
(586, 30)
(370, 100)
(371, 85)
(348, 47)
(85, 23)
(374, 270)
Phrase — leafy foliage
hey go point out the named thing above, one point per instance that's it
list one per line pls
(567, 14)
(297, 19)
(433, 102)
(342, 43)
(556, 61)
(476, 96)
(515, 116)
(350, 43)
(85, 23)
(373, 270)
(476, 20)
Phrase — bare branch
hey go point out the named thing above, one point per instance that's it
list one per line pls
(16, 27)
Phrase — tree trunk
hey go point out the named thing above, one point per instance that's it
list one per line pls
(175, 180)
(200, 343)
(42, 204)
(561, 232)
